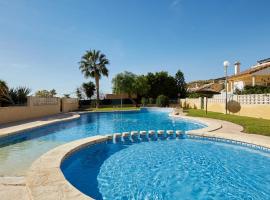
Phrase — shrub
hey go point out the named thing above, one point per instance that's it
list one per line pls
(253, 90)
(162, 101)
(151, 101)
(144, 101)
(193, 95)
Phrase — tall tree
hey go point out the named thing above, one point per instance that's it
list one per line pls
(21, 94)
(3, 84)
(161, 83)
(125, 83)
(89, 89)
(13, 95)
(53, 92)
(4, 93)
(181, 84)
(94, 64)
(79, 93)
(141, 86)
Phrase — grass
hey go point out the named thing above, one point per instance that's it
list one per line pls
(112, 109)
(250, 124)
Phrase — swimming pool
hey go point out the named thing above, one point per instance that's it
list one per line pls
(169, 169)
(18, 152)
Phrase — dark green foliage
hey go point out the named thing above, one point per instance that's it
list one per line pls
(89, 89)
(151, 100)
(94, 64)
(130, 83)
(78, 93)
(152, 85)
(193, 95)
(254, 90)
(161, 83)
(162, 101)
(141, 85)
(13, 96)
(144, 101)
(181, 84)
(20, 95)
(124, 83)
(53, 92)
(4, 95)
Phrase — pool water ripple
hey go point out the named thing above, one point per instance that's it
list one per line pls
(18, 152)
(172, 169)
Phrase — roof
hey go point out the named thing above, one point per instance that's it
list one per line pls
(207, 91)
(209, 86)
(263, 61)
(252, 69)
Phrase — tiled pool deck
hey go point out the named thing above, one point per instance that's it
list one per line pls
(46, 181)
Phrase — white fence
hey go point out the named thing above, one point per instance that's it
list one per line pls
(253, 99)
(216, 100)
(242, 99)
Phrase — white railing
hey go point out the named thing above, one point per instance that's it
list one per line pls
(40, 101)
(253, 99)
(242, 99)
(216, 100)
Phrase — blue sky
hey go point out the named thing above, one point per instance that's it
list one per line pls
(41, 41)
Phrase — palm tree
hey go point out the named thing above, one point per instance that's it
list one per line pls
(93, 64)
(66, 96)
(3, 92)
(53, 92)
(89, 89)
(3, 87)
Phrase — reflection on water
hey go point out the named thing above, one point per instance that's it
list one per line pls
(17, 153)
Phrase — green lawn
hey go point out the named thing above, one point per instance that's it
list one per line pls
(250, 124)
(112, 109)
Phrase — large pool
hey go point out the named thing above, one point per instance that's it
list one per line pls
(18, 152)
(170, 169)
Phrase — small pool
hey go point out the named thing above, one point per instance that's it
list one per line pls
(169, 169)
(19, 151)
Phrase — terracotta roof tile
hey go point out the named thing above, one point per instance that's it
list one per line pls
(252, 70)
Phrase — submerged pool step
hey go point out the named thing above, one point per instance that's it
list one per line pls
(135, 136)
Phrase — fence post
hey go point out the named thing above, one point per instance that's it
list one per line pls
(29, 101)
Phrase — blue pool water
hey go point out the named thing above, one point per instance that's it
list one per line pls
(18, 152)
(170, 169)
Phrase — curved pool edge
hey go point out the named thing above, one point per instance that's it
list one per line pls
(40, 122)
(45, 179)
(210, 126)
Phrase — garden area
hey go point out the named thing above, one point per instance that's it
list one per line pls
(250, 124)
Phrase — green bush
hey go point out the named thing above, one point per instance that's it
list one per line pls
(162, 101)
(144, 101)
(151, 101)
(193, 95)
(254, 90)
